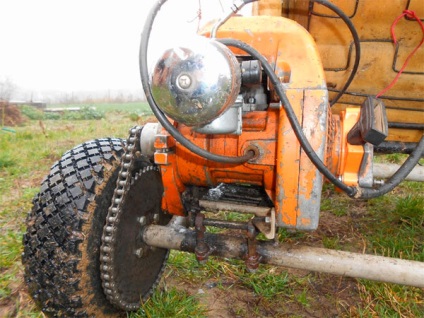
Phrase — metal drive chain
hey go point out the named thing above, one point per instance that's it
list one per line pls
(125, 179)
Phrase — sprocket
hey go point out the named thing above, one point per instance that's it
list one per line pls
(130, 270)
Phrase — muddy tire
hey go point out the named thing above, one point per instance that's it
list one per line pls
(61, 245)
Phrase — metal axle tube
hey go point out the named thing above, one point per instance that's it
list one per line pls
(342, 263)
(387, 170)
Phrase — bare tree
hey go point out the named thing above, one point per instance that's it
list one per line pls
(7, 89)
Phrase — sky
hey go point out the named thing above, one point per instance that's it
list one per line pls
(88, 44)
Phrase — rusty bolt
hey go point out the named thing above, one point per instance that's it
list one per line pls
(252, 263)
(202, 252)
(202, 249)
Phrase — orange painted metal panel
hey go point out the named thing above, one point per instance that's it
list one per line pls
(381, 59)
(280, 167)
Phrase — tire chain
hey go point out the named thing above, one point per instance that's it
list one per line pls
(125, 179)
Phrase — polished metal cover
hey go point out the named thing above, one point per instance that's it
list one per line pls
(194, 84)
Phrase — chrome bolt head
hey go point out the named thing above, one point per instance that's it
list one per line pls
(142, 220)
(184, 81)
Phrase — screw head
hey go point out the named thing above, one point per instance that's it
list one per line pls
(142, 220)
(156, 217)
(184, 81)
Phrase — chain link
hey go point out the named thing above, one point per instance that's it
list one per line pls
(107, 250)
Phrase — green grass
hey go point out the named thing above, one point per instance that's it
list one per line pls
(267, 283)
(9, 250)
(6, 160)
(171, 303)
(290, 236)
(130, 107)
(399, 232)
(88, 111)
(85, 113)
(337, 207)
(392, 225)
(25, 158)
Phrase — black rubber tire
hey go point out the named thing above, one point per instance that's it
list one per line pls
(61, 245)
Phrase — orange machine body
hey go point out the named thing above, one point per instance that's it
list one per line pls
(280, 166)
(380, 59)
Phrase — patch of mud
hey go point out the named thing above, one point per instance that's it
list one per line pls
(18, 189)
(18, 298)
(227, 302)
(308, 294)
(311, 295)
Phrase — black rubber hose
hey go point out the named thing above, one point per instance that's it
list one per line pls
(351, 191)
(159, 114)
(415, 156)
(310, 152)
(357, 192)
(356, 41)
(398, 177)
(389, 147)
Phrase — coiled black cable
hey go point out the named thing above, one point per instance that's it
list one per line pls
(399, 175)
(403, 171)
(357, 192)
(297, 128)
(356, 42)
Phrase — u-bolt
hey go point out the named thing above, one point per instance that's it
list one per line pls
(252, 257)
(202, 250)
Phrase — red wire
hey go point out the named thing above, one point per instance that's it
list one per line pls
(410, 14)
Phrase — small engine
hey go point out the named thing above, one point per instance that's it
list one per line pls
(220, 99)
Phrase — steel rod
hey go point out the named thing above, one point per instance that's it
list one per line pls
(216, 206)
(386, 170)
(225, 224)
(342, 263)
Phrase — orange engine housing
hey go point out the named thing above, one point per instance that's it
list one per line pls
(280, 166)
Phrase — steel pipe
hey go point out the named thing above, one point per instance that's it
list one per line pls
(216, 206)
(387, 170)
(225, 224)
(342, 263)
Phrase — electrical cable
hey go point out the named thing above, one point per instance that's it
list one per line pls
(356, 192)
(159, 114)
(416, 155)
(412, 15)
(356, 42)
(399, 175)
(310, 152)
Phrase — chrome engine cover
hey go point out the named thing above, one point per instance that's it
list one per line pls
(194, 84)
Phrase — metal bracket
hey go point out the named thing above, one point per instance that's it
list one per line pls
(266, 227)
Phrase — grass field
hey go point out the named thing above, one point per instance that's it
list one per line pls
(130, 107)
(392, 225)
